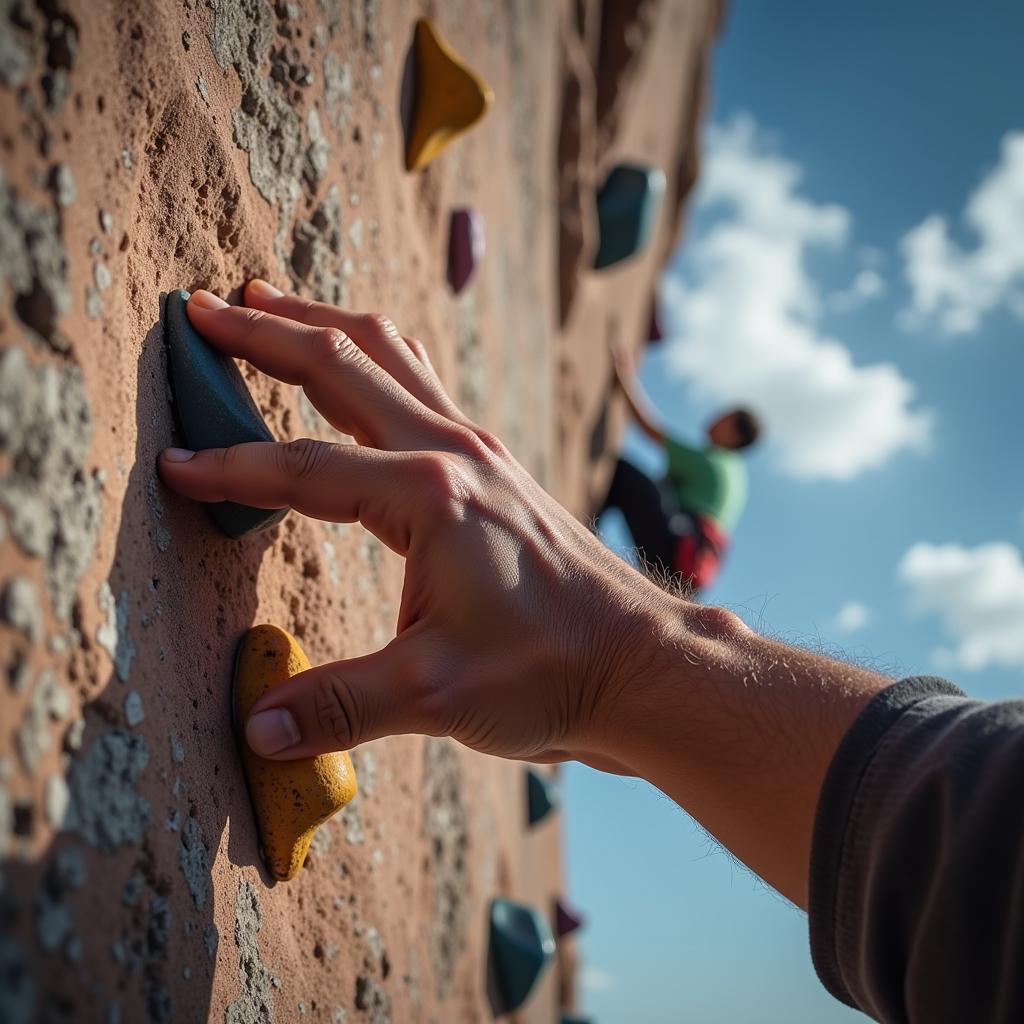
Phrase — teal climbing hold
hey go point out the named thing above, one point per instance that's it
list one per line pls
(627, 207)
(521, 944)
(542, 796)
(215, 409)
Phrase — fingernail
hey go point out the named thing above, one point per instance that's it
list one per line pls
(270, 732)
(177, 454)
(264, 289)
(206, 300)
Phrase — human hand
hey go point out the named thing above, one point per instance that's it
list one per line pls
(517, 628)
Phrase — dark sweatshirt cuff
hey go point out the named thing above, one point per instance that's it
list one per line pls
(833, 816)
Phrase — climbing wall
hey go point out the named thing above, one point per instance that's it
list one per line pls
(184, 144)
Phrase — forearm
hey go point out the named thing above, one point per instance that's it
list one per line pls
(739, 730)
(639, 409)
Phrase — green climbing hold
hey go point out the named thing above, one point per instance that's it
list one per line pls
(627, 207)
(215, 409)
(542, 795)
(521, 944)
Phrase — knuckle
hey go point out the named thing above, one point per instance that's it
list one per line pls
(336, 710)
(381, 324)
(419, 350)
(468, 440)
(330, 346)
(443, 483)
(252, 316)
(304, 457)
(226, 460)
(490, 441)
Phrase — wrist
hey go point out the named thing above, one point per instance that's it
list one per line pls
(660, 650)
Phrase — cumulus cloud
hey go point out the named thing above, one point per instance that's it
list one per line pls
(852, 616)
(955, 286)
(978, 593)
(747, 317)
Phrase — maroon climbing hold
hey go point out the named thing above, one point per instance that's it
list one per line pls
(465, 246)
(654, 331)
(567, 918)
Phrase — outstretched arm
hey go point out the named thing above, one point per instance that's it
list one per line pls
(519, 633)
(639, 406)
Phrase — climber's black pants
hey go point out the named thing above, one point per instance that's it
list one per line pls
(639, 499)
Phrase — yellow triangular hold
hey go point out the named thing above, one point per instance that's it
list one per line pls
(450, 98)
(291, 799)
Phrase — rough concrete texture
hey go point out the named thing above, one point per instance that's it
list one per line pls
(185, 144)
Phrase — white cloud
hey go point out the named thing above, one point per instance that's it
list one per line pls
(852, 616)
(978, 593)
(747, 319)
(867, 285)
(596, 979)
(956, 286)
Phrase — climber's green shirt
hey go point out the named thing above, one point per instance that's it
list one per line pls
(709, 481)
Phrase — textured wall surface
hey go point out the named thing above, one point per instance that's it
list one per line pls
(181, 143)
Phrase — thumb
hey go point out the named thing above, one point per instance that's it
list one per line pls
(339, 705)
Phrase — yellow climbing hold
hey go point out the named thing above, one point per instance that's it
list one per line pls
(450, 97)
(291, 798)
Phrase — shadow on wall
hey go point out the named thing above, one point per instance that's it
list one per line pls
(114, 922)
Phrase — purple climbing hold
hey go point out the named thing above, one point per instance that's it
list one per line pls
(567, 918)
(465, 246)
(654, 329)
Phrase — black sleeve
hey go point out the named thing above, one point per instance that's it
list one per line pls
(917, 863)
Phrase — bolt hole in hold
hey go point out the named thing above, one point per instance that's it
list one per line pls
(290, 799)
(214, 409)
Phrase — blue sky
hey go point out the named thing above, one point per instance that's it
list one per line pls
(853, 265)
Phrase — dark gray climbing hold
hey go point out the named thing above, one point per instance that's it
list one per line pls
(520, 946)
(573, 1018)
(466, 241)
(215, 409)
(567, 918)
(541, 795)
(627, 206)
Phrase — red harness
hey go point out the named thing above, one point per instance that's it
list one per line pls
(698, 554)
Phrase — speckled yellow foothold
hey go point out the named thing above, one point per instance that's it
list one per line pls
(291, 799)
(450, 97)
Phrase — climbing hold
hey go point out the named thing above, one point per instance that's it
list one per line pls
(541, 795)
(215, 409)
(627, 206)
(465, 246)
(567, 918)
(655, 332)
(572, 1018)
(521, 944)
(291, 799)
(450, 98)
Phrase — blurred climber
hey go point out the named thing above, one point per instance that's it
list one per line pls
(891, 811)
(681, 524)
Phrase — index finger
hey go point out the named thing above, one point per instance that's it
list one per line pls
(337, 483)
(351, 391)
